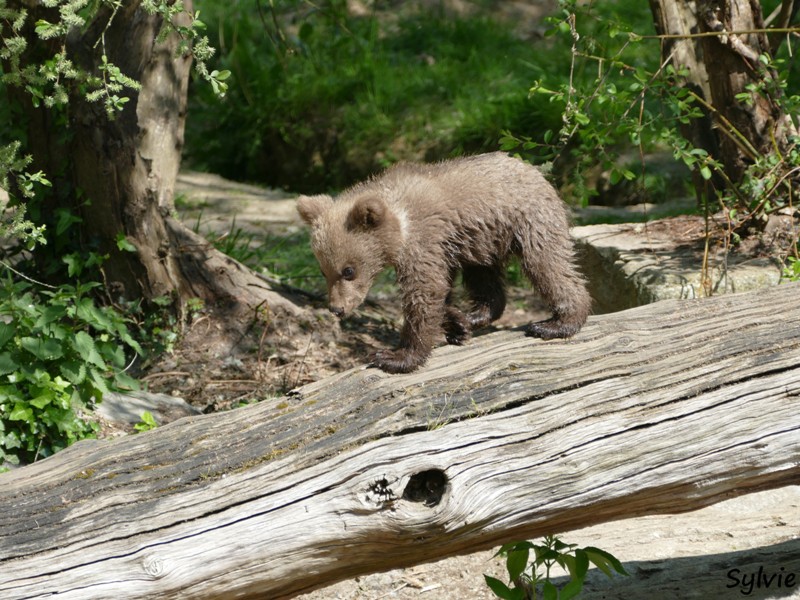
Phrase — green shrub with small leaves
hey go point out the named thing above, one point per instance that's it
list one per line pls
(147, 423)
(791, 270)
(529, 580)
(59, 353)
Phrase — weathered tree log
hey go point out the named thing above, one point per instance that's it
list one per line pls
(659, 409)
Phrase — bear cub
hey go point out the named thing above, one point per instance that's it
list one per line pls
(430, 221)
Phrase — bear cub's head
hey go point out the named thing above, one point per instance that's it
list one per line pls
(353, 238)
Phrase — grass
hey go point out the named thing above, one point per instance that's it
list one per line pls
(343, 96)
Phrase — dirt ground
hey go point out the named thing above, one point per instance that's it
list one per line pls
(705, 554)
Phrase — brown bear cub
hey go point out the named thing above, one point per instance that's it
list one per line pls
(430, 221)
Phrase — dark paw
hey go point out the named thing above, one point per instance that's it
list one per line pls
(457, 329)
(552, 329)
(396, 361)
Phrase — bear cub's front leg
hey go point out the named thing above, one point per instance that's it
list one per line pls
(426, 316)
(401, 360)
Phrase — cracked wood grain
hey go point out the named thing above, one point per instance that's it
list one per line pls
(664, 408)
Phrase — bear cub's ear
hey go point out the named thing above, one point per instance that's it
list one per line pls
(311, 207)
(367, 213)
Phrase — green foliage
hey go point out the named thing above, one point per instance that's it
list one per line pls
(49, 81)
(59, 353)
(619, 95)
(791, 269)
(531, 579)
(191, 40)
(36, 58)
(147, 423)
(323, 97)
(609, 100)
(13, 223)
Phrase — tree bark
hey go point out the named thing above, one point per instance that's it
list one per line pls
(126, 167)
(118, 175)
(660, 409)
(737, 65)
(720, 69)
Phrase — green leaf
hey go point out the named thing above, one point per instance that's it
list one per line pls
(501, 590)
(42, 401)
(74, 265)
(705, 172)
(91, 315)
(581, 118)
(571, 589)
(125, 381)
(84, 344)
(581, 565)
(516, 562)
(65, 220)
(49, 314)
(147, 423)
(512, 546)
(126, 337)
(11, 440)
(603, 560)
(43, 348)
(7, 363)
(100, 383)
(21, 413)
(549, 591)
(124, 244)
(7, 331)
(73, 371)
(43, 28)
(112, 352)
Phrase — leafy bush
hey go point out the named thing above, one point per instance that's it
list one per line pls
(620, 98)
(59, 353)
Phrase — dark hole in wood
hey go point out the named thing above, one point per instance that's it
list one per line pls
(427, 487)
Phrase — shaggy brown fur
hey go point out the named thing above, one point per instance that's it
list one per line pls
(429, 221)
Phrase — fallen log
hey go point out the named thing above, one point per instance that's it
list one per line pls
(659, 409)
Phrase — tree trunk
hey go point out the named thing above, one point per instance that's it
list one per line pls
(126, 167)
(720, 69)
(118, 175)
(686, 55)
(660, 409)
(736, 66)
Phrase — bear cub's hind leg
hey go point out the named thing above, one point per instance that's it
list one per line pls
(486, 289)
(456, 325)
(563, 289)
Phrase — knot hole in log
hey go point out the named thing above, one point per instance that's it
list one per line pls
(426, 487)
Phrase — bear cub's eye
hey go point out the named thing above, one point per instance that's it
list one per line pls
(349, 273)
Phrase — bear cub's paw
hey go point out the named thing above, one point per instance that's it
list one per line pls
(457, 327)
(401, 360)
(552, 329)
